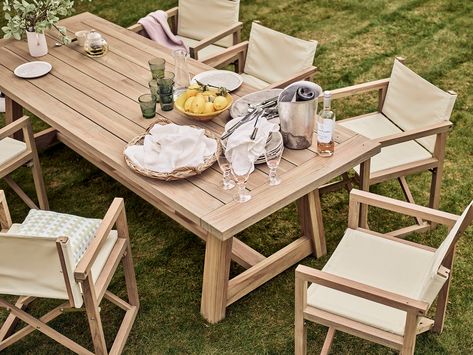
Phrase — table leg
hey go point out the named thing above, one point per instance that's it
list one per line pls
(310, 216)
(218, 255)
(13, 111)
(365, 186)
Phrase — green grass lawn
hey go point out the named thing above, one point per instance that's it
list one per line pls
(357, 42)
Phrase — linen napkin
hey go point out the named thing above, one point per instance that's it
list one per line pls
(169, 147)
(157, 28)
(241, 150)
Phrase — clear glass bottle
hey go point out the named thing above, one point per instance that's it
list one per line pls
(181, 71)
(325, 128)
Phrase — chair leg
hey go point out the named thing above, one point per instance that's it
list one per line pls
(365, 186)
(409, 334)
(130, 277)
(9, 325)
(434, 201)
(408, 195)
(39, 182)
(300, 328)
(93, 316)
(328, 341)
(442, 299)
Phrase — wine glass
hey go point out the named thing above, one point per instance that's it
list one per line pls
(241, 175)
(224, 164)
(272, 160)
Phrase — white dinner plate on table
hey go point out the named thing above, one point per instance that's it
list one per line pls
(220, 78)
(33, 70)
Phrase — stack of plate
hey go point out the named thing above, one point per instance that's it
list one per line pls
(274, 146)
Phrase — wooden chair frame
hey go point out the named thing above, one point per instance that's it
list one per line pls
(237, 54)
(415, 309)
(30, 158)
(434, 164)
(92, 293)
(173, 18)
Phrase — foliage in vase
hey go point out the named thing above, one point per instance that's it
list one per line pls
(35, 16)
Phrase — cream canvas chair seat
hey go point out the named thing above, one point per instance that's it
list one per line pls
(377, 126)
(270, 58)
(10, 149)
(15, 153)
(411, 124)
(206, 27)
(377, 262)
(58, 256)
(377, 286)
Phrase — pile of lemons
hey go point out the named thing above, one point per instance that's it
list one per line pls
(204, 100)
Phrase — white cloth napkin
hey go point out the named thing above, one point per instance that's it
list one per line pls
(169, 147)
(241, 150)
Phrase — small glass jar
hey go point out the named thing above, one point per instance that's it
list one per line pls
(95, 45)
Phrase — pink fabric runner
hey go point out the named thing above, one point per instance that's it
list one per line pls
(157, 27)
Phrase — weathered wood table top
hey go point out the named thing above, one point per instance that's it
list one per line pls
(92, 104)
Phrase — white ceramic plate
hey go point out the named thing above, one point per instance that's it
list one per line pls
(220, 78)
(33, 70)
(240, 106)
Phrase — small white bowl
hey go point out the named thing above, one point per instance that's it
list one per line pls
(81, 35)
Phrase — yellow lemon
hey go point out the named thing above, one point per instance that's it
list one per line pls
(209, 107)
(188, 104)
(191, 92)
(198, 104)
(220, 103)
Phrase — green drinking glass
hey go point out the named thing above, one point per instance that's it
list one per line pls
(157, 65)
(166, 91)
(148, 105)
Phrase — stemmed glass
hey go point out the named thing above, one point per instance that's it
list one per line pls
(224, 164)
(241, 177)
(272, 160)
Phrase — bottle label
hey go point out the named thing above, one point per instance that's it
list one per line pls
(325, 131)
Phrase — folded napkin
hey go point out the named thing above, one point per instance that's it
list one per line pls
(300, 91)
(241, 150)
(157, 28)
(169, 147)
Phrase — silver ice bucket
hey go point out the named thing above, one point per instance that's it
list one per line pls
(297, 118)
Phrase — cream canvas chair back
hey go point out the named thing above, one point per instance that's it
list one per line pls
(274, 56)
(31, 266)
(412, 102)
(199, 19)
(434, 281)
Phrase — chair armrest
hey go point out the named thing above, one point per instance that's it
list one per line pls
(360, 88)
(305, 74)
(415, 133)
(358, 197)
(115, 211)
(231, 53)
(359, 289)
(172, 14)
(137, 27)
(194, 51)
(15, 126)
(5, 218)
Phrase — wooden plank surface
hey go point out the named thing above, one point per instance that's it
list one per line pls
(92, 102)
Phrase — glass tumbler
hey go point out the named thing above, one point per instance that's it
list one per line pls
(148, 105)
(157, 65)
(166, 91)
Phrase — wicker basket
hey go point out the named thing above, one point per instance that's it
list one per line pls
(177, 174)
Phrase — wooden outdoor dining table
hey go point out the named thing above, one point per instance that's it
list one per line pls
(91, 106)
